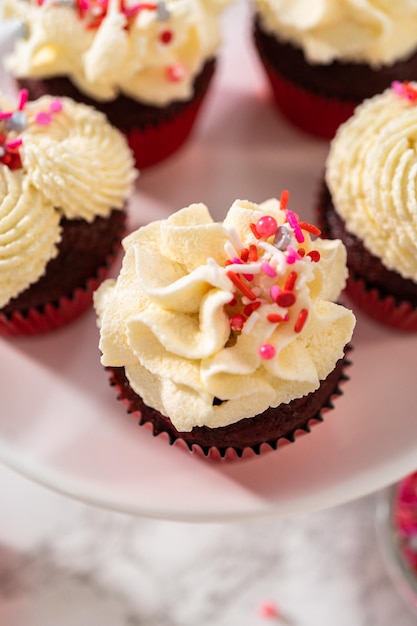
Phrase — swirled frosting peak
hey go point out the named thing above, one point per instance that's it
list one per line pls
(214, 322)
(378, 32)
(57, 158)
(150, 51)
(371, 174)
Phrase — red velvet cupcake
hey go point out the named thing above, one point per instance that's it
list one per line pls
(369, 202)
(226, 336)
(65, 176)
(322, 61)
(147, 66)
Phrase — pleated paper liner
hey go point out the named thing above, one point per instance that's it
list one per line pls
(311, 112)
(388, 310)
(59, 312)
(160, 426)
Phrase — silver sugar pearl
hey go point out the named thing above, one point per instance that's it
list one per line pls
(17, 121)
(282, 238)
(162, 12)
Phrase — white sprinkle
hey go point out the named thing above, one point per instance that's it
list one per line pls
(250, 322)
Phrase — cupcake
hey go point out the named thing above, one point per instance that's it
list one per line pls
(369, 201)
(65, 175)
(226, 336)
(147, 65)
(323, 58)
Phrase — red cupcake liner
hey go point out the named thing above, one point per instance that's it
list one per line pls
(153, 144)
(52, 316)
(313, 113)
(231, 454)
(384, 309)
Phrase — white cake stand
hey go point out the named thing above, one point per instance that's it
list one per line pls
(61, 425)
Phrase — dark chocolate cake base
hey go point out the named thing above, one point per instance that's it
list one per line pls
(84, 249)
(123, 112)
(266, 428)
(362, 264)
(342, 80)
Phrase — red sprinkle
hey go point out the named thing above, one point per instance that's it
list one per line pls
(251, 307)
(244, 254)
(290, 282)
(275, 318)
(241, 285)
(314, 255)
(310, 228)
(237, 322)
(253, 252)
(286, 299)
(301, 252)
(283, 201)
(166, 36)
(255, 232)
(301, 320)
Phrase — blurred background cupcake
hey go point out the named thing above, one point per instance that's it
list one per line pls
(323, 57)
(65, 177)
(147, 65)
(227, 337)
(370, 202)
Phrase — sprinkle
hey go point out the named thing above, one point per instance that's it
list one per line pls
(162, 12)
(301, 320)
(231, 251)
(282, 238)
(17, 122)
(267, 351)
(268, 610)
(253, 252)
(250, 323)
(314, 255)
(293, 222)
(283, 201)
(286, 299)
(275, 318)
(405, 90)
(237, 322)
(290, 282)
(166, 36)
(241, 285)
(266, 226)
(254, 231)
(55, 106)
(251, 307)
(268, 269)
(310, 228)
(244, 254)
(4, 115)
(22, 99)
(43, 119)
(293, 255)
(301, 252)
(175, 73)
(12, 145)
(234, 238)
(274, 292)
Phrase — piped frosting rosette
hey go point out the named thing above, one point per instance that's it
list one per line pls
(371, 173)
(149, 51)
(57, 158)
(215, 322)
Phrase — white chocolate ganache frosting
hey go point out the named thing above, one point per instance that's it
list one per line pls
(376, 32)
(57, 158)
(371, 173)
(242, 311)
(149, 51)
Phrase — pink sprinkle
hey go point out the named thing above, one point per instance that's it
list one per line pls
(175, 72)
(268, 269)
(4, 115)
(293, 222)
(293, 255)
(274, 292)
(23, 98)
(43, 119)
(268, 610)
(266, 351)
(14, 144)
(55, 106)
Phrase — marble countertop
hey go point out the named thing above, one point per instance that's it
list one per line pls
(68, 564)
